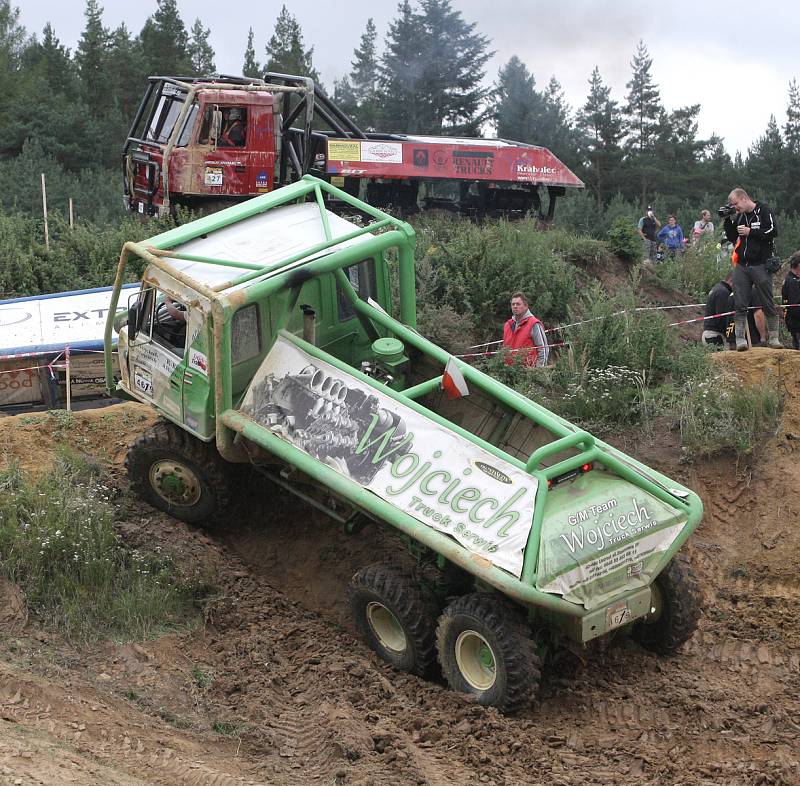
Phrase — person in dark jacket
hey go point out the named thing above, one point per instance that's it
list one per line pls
(715, 329)
(753, 230)
(648, 227)
(790, 291)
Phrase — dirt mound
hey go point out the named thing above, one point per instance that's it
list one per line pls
(274, 687)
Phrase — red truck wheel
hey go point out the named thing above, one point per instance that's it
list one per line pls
(394, 617)
(486, 649)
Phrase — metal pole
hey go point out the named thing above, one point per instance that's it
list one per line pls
(44, 211)
(71, 216)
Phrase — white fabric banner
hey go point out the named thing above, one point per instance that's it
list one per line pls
(424, 469)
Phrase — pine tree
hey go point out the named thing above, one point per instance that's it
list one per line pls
(345, 98)
(200, 51)
(399, 72)
(431, 73)
(766, 165)
(91, 58)
(363, 80)
(285, 50)
(164, 41)
(516, 102)
(251, 66)
(126, 74)
(791, 131)
(13, 40)
(643, 103)
(599, 123)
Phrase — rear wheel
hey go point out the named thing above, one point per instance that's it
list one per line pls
(178, 474)
(675, 609)
(485, 649)
(394, 617)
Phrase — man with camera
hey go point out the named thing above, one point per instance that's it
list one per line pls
(648, 227)
(751, 227)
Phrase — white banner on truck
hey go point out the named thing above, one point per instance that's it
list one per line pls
(441, 479)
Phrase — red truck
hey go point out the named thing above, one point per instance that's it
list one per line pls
(209, 142)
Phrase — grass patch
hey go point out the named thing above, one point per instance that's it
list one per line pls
(58, 542)
(718, 414)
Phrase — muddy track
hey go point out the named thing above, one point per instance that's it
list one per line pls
(293, 697)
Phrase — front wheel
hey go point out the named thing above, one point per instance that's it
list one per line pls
(675, 609)
(486, 649)
(394, 617)
(178, 474)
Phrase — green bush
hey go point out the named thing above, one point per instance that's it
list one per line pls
(697, 270)
(624, 241)
(473, 269)
(57, 541)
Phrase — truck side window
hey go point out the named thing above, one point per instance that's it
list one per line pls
(364, 280)
(164, 321)
(245, 334)
(164, 117)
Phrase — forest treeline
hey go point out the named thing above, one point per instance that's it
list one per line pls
(66, 113)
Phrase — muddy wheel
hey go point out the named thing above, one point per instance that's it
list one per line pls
(675, 609)
(394, 617)
(486, 649)
(177, 473)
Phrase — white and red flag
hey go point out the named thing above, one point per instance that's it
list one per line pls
(453, 382)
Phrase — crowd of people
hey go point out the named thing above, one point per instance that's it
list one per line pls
(740, 310)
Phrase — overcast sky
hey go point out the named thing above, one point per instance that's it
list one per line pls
(736, 60)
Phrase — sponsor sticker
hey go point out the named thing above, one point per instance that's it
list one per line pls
(338, 181)
(213, 176)
(382, 152)
(344, 151)
(198, 361)
(262, 181)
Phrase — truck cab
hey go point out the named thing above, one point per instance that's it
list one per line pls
(194, 143)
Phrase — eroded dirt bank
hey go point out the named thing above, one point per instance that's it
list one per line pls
(289, 695)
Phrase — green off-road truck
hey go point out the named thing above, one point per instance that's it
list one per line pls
(280, 335)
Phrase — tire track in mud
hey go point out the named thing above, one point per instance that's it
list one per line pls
(92, 728)
(330, 709)
(742, 656)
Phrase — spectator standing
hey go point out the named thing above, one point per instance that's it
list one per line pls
(648, 227)
(753, 230)
(523, 335)
(703, 229)
(790, 291)
(672, 236)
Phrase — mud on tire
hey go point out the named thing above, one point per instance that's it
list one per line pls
(394, 617)
(486, 649)
(676, 599)
(178, 474)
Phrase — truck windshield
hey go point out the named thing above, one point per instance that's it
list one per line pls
(163, 120)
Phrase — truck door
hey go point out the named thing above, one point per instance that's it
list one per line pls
(157, 353)
(221, 166)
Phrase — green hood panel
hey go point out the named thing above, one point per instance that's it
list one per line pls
(602, 535)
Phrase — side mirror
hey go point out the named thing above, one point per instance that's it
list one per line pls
(134, 313)
(216, 126)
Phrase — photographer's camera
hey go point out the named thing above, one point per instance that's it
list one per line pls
(726, 210)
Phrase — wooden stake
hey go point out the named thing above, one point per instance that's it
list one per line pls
(44, 211)
(69, 384)
(71, 217)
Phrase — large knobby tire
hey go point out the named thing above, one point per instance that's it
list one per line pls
(486, 649)
(177, 473)
(394, 617)
(676, 609)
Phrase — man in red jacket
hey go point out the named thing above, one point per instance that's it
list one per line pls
(524, 335)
